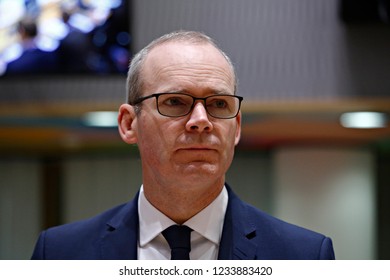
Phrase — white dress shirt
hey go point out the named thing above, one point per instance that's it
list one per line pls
(207, 230)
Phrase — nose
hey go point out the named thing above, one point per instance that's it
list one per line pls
(199, 119)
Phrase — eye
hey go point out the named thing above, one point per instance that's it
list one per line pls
(174, 101)
(218, 103)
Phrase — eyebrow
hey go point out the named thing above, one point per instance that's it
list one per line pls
(212, 92)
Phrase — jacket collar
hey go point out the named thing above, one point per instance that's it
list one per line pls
(119, 241)
(238, 231)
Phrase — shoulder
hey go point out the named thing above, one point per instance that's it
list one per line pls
(269, 224)
(278, 239)
(81, 239)
(88, 226)
(289, 241)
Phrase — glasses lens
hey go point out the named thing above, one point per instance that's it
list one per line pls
(179, 104)
(223, 106)
(174, 105)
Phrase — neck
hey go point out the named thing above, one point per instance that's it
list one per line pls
(180, 203)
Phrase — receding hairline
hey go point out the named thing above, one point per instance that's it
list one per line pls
(178, 47)
(186, 37)
(190, 37)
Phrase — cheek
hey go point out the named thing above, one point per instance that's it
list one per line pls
(229, 136)
(155, 141)
(152, 151)
(228, 143)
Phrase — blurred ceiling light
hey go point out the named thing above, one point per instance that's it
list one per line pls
(101, 119)
(363, 120)
(53, 28)
(81, 22)
(11, 12)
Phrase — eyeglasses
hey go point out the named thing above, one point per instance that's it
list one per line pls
(221, 106)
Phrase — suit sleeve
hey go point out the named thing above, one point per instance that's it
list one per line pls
(39, 251)
(327, 252)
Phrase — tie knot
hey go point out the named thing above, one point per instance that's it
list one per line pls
(179, 240)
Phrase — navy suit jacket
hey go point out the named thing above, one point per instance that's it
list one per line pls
(248, 233)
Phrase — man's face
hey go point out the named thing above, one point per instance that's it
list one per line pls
(194, 148)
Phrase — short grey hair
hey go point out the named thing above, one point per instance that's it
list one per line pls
(134, 82)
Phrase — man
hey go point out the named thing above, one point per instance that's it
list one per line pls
(183, 113)
(32, 59)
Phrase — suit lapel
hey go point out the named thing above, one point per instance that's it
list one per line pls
(119, 241)
(238, 231)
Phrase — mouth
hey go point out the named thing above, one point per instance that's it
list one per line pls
(197, 155)
(197, 152)
(197, 148)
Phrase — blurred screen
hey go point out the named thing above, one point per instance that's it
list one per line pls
(64, 37)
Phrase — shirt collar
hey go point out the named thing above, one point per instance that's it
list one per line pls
(208, 222)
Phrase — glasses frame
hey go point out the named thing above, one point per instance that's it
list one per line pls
(194, 99)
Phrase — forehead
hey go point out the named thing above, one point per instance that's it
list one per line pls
(183, 62)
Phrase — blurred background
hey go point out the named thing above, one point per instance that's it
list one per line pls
(315, 146)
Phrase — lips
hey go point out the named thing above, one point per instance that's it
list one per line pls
(198, 154)
(197, 148)
(201, 145)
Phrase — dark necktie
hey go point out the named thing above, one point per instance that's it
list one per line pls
(179, 240)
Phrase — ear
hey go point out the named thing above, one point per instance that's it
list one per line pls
(127, 124)
(238, 129)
